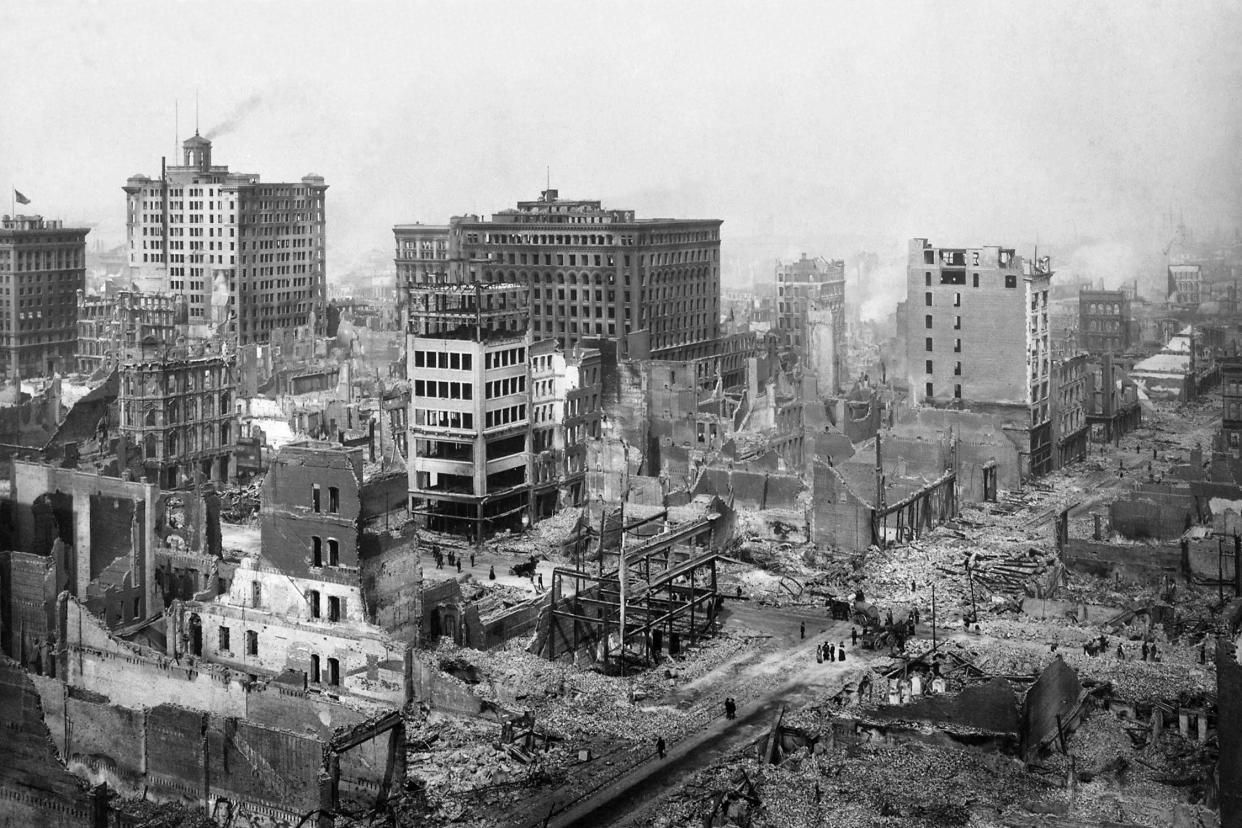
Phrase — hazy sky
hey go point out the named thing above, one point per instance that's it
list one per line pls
(830, 125)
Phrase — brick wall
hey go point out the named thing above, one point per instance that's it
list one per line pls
(35, 789)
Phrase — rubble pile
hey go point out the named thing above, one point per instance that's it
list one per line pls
(241, 504)
(1148, 783)
(908, 784)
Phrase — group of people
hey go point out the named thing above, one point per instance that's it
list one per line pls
(730, 708)
(453, 558)
(827, 651)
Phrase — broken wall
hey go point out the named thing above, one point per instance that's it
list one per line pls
(289, 519)
(1134, 562)
(29, 585)
(518, 620)
(1154, 510)
(170, 753)
(992, 707)
(1051, 707)
(392, 583)
(444, 692)
(924, 437)
(124, 541)
(35, 789)
(839, 518)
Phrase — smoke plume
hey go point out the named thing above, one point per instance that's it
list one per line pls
(234, 118)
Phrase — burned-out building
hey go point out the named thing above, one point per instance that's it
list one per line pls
(42, 268)
(810, 320)
(1185, 284)
(1072, 395)
(1231, 406)
(178, 415)
(91, 535)
(977, 337)
(469, 371)
(301, 604)
(1113, 410)
(112, 327)
(1105, 321)
(566, 392)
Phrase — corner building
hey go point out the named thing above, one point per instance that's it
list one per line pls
(248, 256)
(977, 337)
(468, 348)
(651, 285)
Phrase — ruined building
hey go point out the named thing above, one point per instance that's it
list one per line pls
(810, 320)
(1105, 321)
(84, 533)
(1185, 284)
(301, 605)
(1113, 410)
(42, 267)
(113, 327)
(566, 412)
(1231, 406)
(651, 285)
(178, 416)
(1072, 394)
(247, 255)
(976, 332)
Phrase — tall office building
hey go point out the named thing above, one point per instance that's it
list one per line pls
(247, 255)
(42, 268)
(652, 285)
(976, 331)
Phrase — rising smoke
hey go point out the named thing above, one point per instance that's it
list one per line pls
(236, 116)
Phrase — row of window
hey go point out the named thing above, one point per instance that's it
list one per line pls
(443, 360)
(445, 390)
(331, 675)
(501, 359)
(437, 418)
(504, 416)
(505, 387)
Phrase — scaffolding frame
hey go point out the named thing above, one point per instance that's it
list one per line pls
(668, 595)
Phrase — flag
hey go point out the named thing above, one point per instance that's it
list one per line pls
(21, 199)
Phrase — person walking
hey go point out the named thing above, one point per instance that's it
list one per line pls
(841, 652)
(802, 630)
(1121, 653)
(660, 746)
(1144, 649)
(472, 559)
(491, 573)
(854, 636)
(459, 566)
(540, 581)
(819, 653)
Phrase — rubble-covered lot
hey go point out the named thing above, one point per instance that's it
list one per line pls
(915, 783)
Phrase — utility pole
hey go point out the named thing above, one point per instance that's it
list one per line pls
(621, 574)
(974, 612)
(933, 616)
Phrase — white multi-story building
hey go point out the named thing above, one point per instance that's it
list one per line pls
(247, 255)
